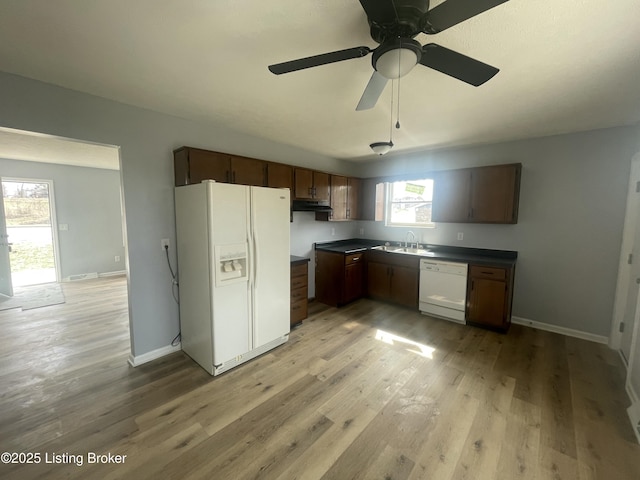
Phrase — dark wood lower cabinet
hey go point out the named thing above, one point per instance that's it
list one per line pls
(339, 277)
(299, 291)
(489, 296)
(394, 278)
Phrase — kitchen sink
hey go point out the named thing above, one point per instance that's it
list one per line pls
(405, 250)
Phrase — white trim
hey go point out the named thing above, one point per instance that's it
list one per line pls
(112, 274)
(624, 269)
(634, 415)
(80, 276)
(569, 332)
(136, 361)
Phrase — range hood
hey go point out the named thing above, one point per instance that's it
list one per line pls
(311, 206)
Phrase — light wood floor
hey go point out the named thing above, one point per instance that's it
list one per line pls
(368, 391)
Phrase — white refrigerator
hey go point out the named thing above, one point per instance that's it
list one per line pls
(233, 271)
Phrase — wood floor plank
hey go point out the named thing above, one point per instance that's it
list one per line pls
(366, 391)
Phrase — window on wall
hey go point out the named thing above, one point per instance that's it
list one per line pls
(409, 203)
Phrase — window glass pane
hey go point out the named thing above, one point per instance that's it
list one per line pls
(410, 202)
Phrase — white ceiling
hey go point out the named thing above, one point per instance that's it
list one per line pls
(565, 66)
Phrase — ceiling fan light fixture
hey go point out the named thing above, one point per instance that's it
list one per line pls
(381, 147)
(396, 58)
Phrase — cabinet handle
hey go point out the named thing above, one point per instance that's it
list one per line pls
(233, 177)
(310, 192)
(228, 176)
(348, 213)
(489, 273)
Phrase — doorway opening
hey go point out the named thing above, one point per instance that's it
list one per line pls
(30, 222)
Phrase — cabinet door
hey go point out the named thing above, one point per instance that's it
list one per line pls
(404, 285)
(279, 176)
(338, 197)
(353, 278)
(329, 277)
(205, 165)
(247, 171)
(487, 302)
(493, 193)
(378, 280)
(303, 183)
(451, 196)
(353, 199)
(321, 186)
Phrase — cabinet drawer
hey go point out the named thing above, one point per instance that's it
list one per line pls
(297, 282)
(299, 294)
(298, 311)
(298, 270)
(353, 258)
(488, 272)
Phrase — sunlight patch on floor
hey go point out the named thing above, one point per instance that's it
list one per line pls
(392, 339)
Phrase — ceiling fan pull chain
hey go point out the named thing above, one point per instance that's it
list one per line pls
(398, 103)
(391, 113)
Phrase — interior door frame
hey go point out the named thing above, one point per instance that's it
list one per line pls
(52, 216)
(632, 217)
(6, 282)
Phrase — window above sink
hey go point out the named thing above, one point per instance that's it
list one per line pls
(408, 203)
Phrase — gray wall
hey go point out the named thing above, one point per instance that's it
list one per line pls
(305, 231)
(568, 236)
(88, 201)
(571, 216)
(147, 140)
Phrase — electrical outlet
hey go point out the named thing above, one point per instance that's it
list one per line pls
(460, 235)
(333, 231)
(362, 231)
(117, 258)
(165, 244)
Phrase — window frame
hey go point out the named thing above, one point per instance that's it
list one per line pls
(388, 205)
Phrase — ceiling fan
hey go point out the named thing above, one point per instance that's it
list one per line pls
(394, 24)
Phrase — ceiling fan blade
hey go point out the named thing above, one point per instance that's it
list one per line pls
(456, 65)
(452, 12)
(372, 92)
(379, 11)
(318, 60)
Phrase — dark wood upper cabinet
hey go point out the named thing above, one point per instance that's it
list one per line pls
(279, 175)
(494, 194)
(344, 199)
(311, 184)
(338, 194)
(353, 198)
(477, 195)
(247, 171)
(193, 165)
(451, 196)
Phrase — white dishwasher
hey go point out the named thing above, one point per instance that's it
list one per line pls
(443, 289)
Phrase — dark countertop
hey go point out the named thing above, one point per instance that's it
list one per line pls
(295, 260)
(437, 252)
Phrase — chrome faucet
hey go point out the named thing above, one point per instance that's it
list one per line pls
(406, 240)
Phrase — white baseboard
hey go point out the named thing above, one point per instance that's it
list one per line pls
(112, 274)
(80, 276)
(153, 355)
(569, 332)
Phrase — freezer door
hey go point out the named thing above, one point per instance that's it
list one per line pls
(229, 230)
(269, 250)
